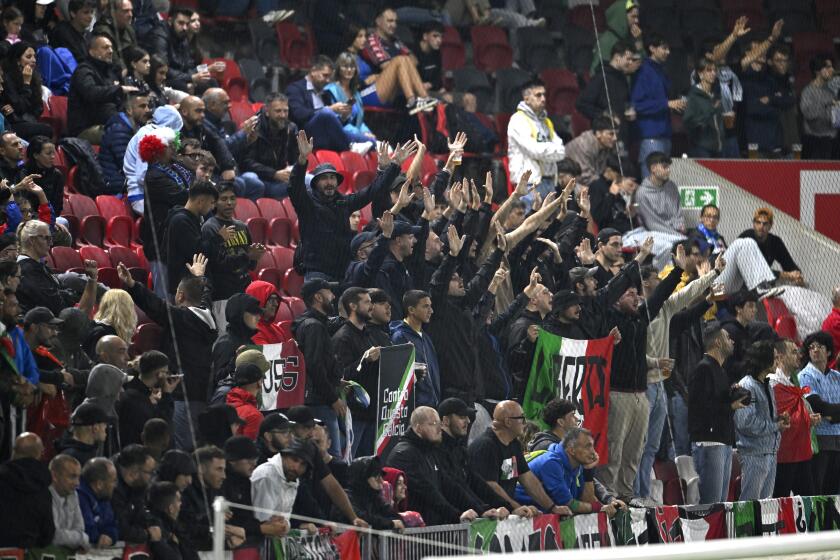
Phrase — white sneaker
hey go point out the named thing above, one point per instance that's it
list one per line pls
(276, 16)
(361, 148)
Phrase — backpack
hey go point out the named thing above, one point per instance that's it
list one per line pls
(90, 180)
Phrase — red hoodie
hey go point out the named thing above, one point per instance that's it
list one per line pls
(267, 331)
(246, 408)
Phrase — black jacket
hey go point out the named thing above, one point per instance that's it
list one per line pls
(454, 330)
(520, 350)
(166, 187)
(396, 278)
(26, 521)
(173, 544)
(81, 451)
(432, 491)
(196, 331)
(213, 143)
(237, 489)
(363, 274)
(182, 240)
(181, 62)
(228, 260)
(349, 344)
(597, 98)
(52, 181)
(325, 232)
(38, 287)
(97, 330)
(130, 510)
(94, 95)
(608, 210)
(367, 502)
(134, 409)
(25, 99)
(273, 149)
(119, 130)
(710, 415)
(629, 366)
(237, 334)
(323, 372)
(196, 515)
(686, 345)
(454, 459)
(64, 35)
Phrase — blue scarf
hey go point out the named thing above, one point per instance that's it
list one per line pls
(713, 238)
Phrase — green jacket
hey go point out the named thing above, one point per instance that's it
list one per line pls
(703, 120)
(617, 30)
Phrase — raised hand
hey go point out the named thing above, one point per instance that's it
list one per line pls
(475, 200)
(125, 276)
(386, 223)
(455, 243)
(488, 188)
(383, 153)
(645, 250)
(740, 28)
(522, 186)
(537, 203)
(404, 198)
(720, 262)
(555, 249)
(456, 194)
(777, 30)
(704, 267)
(583, 201)
(458, 143)
(501, 238)
(680, 258)
(533, 283)
(584, 252)
(305, 146)
(428, 203)
(498, 277)
(198, 266)
(404, 152)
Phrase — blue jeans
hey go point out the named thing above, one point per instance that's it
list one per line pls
(364, 437)
(714, 466)
(181, 434)
(758, 476)
(547, 185)
(327, 132)
(248, 185)
(650, 145)
(658, 411)
(730, 148)
(679, 425)
(260, 188)
(327, 415)
(410, 15)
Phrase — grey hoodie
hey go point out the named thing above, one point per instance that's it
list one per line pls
(659, 207)
(104, 387)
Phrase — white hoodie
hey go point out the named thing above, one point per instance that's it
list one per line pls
(533, 145)
(270, 490)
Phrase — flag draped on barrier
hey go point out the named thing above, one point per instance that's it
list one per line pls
(577, 370)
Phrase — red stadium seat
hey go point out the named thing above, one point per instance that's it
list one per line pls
(672, 491)
(284, 312)
(290, 209)
(109, 277)
(362, 179)
(245, 209)
(258, 228)
(98, 254)
(241, 111)
(562, 90)
(280, 232)
(130, 259)
(271, 208)
(120, 223)
(292, 282)
(266, 261)
(452, 50)
(491, 49)
(328, 156)
(92, 225)
(231, 80)
(353, 162)
(272, 276)
(283, 258)
(56, 113)
(146, 337)
(66, 258)
(581, 16)
(311, 162)
(295, 304)
(296, 47)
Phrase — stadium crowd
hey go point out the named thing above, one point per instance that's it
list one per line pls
(108, 439)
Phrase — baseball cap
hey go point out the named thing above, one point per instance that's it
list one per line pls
(246, 374)
(605, 234)
(88, 414)
(41, 315)
(360, 239)
(578, 273)
(276, 421)
(404, 228)
(454, 405)
(302, 415)
(253, 356)
(312, 287)
(300, 449)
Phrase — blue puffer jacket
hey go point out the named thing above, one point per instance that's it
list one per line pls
(562, 482)
(755, 425)
(118, 132)
(649, 97)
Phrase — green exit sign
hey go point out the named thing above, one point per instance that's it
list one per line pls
(695, 198)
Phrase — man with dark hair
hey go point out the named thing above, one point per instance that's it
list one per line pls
(532, 143)
(183, 73)
(156, 436)
(778, 66)
(522, 335)
(270, 157)
(711, 424)
(115, 23)
(611, 193)
(135, 467)
(182, 237)
(192, 321)
(323, 372)
(560, 415)
(429, 60)
(274, 484)
(650, 101)
(741, 327)
(95, 94)
(230, 250)
(703, 118)
(611, 99)
(164, 509)
(191, 110)
(324, 213)
(816, 103)
(275, 434)
(320, 121)
(762, 123)
(119, 129)
(88, 431)
(591, 149)
(147, 396)
(99, 478)
(418, 313)
(72, 34)
(358, 355)
(394, 277)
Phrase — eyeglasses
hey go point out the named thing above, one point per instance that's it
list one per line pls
(519, 418)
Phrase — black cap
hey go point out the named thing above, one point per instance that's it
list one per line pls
(88, 414)
(241, 447)
(41, 315)
(454, 405)
(302, 415)
(360, 239)
(564, 299)
(312, 287)
(231, 417)
(399, 181)
(276, 421)
(177, 462)
(657, 157)
(247, 373)
(402, 227)
(605, 234)
(301, 449)
(323, 169)
(578, 273)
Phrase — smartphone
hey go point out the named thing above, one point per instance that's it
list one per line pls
(175, 376)
(351, 101)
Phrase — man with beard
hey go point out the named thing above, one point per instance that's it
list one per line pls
(192, 110)
(275, 434)
(269, 158)
(148, 395)
(274, 484)
(39, 332)
(135, 467)
(164, 508)
(590, 149)
(88, 431)
(241, 454)
(183, 74)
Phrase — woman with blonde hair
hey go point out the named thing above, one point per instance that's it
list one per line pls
(116, 315)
